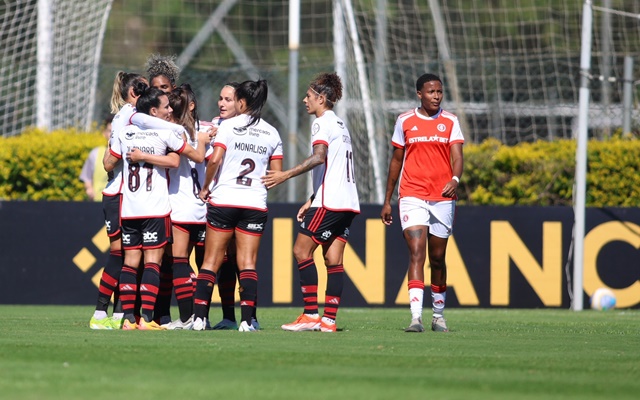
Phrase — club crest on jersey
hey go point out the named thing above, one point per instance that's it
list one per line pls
(315, 129)
(240, 131)
(441, 127)
(178, 134)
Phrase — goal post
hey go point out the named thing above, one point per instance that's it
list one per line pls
(50, 60)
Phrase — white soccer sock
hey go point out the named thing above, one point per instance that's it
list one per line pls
(416, 297)
(438, 300)
(99, 314)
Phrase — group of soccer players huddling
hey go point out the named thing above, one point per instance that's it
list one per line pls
(178, 185)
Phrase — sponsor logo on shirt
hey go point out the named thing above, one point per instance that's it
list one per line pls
(126, 238)
(421, 139)
(240, 131)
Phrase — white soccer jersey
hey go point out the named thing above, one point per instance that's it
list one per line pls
(185, 183)
(334, 182)
(248, 153)
(144, 189)
(120, 120)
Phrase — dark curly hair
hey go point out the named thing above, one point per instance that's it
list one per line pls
(329, 85)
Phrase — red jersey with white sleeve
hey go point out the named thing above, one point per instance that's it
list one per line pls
(120, 120)
(334, 182)
(145, 190)
(427, 141)
(248, 152)
(185, 183)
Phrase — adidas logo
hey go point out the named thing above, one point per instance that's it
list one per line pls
(334, 301)
(243, 303)
(414, 300)
(143, 287)
(126, 287)
(200, 302)
(415, 128)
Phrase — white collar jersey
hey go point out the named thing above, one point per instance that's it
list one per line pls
(145, 192)
(334, 182)
(185, 183)
(248, 152)
(120, 120)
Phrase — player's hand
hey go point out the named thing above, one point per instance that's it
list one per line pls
(449, 189)
(273, 178)
(303, 211)
(385, 214)
(135, 155)
(204, 194)
(203, 138)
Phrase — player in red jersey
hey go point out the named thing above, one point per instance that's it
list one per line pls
(326, 217)
(428, 160)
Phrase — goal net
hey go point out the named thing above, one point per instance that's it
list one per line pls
(50, 53)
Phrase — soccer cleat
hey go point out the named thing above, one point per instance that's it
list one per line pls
(304, 322)
(255, 324)
(179, 325)
(129, 326)
(149, 326)
(415, 326)
(244, 327)
(165, 319)
(117, 322)
(104, 323)
(199, 324)
(438, 324)
(327, 326)
(224, 325)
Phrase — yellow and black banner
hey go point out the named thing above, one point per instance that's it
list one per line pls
(54, 252)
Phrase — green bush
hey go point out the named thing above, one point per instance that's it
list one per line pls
(542, 173)
(37, 165)
(45, 166)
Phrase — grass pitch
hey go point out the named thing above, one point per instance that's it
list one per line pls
(49, 352)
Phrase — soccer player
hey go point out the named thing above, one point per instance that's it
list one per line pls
(327, 215)
(127, 87)
(244, 147)
(162, 72)
(228, 272)
(146, 227)
(188, 212)
(427, 157)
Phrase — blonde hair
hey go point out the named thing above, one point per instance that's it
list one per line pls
(120, 92)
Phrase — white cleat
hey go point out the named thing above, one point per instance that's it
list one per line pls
(199, 324)
(179, 325)
(244, 327)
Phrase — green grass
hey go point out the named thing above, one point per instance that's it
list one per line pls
(49, 352)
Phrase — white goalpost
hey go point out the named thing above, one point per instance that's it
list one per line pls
(50, 60)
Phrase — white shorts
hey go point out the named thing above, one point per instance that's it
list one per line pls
(437, 215)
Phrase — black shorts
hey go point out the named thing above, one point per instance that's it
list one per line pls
(227, 219)
(111, 210)
(196, 232)
(321, 224)
(146, 233)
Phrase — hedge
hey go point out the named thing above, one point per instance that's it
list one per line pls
(45, 166)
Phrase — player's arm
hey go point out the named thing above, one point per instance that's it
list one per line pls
(110, 160)
(171, 160)
(197, 155)
(274, 178)
(457, 165)
(212, 169)
(395, 166)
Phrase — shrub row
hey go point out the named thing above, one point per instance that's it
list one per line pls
(45, 166)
